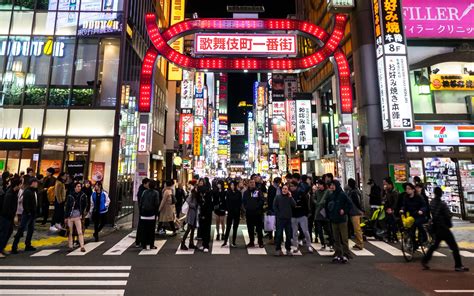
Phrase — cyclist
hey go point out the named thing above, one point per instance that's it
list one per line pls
(416, 206)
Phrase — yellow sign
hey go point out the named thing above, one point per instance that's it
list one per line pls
(177, 15)
(197, 141)
(18, 135)
(452, 82)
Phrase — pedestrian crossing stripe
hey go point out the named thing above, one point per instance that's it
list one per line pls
(216, 249)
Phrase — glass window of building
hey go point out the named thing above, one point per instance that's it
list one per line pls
(85, 73)
(6, 5)
(53, 155)
(3, 160)
(101, 161)
(55, 124)
(37, 77)
(9, 118)
(13, 163)
(33, 118)
(21, 23)
(29, 159)
(420, 92)
(13, 81)
(24, 4)
(108, 67)
(46, 4)
(5, 17)
(91, 123)
(44, 23)
(77, 154)
(66, 23)
(63, 59)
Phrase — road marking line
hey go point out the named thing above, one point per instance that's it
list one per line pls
(122, 245)
(45, 253)
(61, 283)
(65, 275)
(363, 252)
(66, 267)
(454, 291)
(436, 254)
(466, 254)
(217, 249)
(89, 247)
(61, 292)
(252, 251)
(387, 248)
(317, 248)
(158, 244)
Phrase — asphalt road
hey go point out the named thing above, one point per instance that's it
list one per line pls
(169, 272)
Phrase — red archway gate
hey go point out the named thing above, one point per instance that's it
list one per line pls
(329, 47)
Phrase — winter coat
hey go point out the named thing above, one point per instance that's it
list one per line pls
(205, 203)
(301, 209)
(283, 206)
(441, 215)
(167, 208)
(10, 204)
(321, 198)
(192, 201)
(218, 200)
(234, 202)
(60, 191)
(75, 200)
(336, 202)
(104, 202)
(30, 200)
(391, 199)
(413, 205)
(355, 196)
(253, 202)
(149, 203)
(375, 195)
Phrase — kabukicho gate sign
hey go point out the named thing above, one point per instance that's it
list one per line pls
(249, 45)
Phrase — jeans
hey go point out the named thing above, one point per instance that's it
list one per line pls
(443, 233)
(283, 225)
(99, 222)
(6, 230)
(303, 223)
(255, 222)
(359, 240)
(324, 227)
(341, 239)
(190, 229)
(232, 220)
(27, 223)
(391, 224)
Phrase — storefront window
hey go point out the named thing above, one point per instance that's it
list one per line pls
(76, 157)
(108, 67)
(33, 118)
(6, 5)
(420, 92)
(101, 161)
(37, 77)
(9, 118)
(451, 102)
(29, 159)
(66, 23)
(52, 156)
(85, 70)
(62, 73)
(466, 170)
(46, 4)
(24, 4)
(5, 17)
(55, 122)
(91, 123)
(22, 23)
(3, 160)
(14, 77)
(13, 162)
(44, 23)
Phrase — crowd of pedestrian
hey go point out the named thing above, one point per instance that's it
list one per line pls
(26, 198)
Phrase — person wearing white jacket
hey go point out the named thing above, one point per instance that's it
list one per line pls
(100, 202)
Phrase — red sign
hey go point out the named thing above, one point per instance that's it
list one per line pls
(344, 138)
(185, 129)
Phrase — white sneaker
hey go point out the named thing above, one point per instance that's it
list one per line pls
(206, 250)
(310, 249)
(300, 243)
(58, 226)
(53, 229)
(201, 248)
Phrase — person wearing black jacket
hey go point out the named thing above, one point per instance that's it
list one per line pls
(441, 225)
(233, 205)
(205, 214)
(148, 206)
(283, 206)
(375, 195)
(30, 199)
(76, 204)
(48, 181)
(144, 186)
(391, 198)
(416, 206)
(8, 212)
(273, 191)
(253, 202)
(300, 215)
(218, 199)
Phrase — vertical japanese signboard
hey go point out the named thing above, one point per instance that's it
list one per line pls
(187, 90)
(177, 15)
(392, 66)
(142, 137)
(304, 127)
(197, 140)
(185, 128)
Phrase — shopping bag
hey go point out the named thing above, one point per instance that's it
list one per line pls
(185, 208)
(269, 223)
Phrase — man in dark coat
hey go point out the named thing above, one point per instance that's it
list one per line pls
(253, 202)
(8, 212)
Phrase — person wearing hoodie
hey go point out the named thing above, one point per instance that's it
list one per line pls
(8, 212)
(441, 227)
(206, 207)
(283, 205)
(148, 206)
(338, 207)
(28, 217)
(322, 222)
(300, 215)
(390, 201)
(233, 206)
(253, 202)
(99, 206)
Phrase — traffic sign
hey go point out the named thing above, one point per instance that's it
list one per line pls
(344, 138)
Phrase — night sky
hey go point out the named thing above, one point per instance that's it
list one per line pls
(240, 84)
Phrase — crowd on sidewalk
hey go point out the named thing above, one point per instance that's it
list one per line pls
(26, 198)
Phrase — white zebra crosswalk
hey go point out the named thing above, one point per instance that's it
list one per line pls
(57, 280)
(171, 246)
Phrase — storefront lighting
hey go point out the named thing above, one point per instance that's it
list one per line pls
(325, 117)
(30, 79)
(17, 66)
(8, 77)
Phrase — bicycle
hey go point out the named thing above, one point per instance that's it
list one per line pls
(410, 238)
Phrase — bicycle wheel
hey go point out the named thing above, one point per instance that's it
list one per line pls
(407, 246)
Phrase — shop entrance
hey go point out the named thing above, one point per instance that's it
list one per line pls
(17, 161)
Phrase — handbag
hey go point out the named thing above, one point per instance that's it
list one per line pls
(185, 208)
(269, 224)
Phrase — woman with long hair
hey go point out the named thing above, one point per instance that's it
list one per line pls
(75, 209)
(233, 204)
(218, 199)
(191, 217)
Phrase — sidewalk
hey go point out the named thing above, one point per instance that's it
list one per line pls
(464, 233)
(43, 238)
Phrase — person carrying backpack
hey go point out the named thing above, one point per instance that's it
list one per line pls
(148, 206)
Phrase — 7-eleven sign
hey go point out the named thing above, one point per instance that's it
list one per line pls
(441, 136)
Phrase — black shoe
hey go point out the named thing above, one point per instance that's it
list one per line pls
(183, 247)
(30, 249)
(425, 265)
(218, 238)
(192, 246)
(174, 234)
(461, 269)
(250, 245)
(260, 245)
(96, 237)
(233, 245)
(14, 251)
(224, 244)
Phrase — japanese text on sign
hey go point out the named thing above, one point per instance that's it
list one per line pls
(452, 82)
(245, 44)
(142, 137)
(197, 141)
(304, 128)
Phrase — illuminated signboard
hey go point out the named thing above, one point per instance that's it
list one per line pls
(441, 135)
(185, 128)
(304, 127)
(96, 27)
(199, 85)
(187, 90)
(142, 137)
(438, 19)
(197, 141)
(255, 44)
(19, 135)
(28, 48)
(392, 66)
(278, 109)
(199, 107)
(452, 82)
(290, 116)
(175, 73)
(237, 129)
